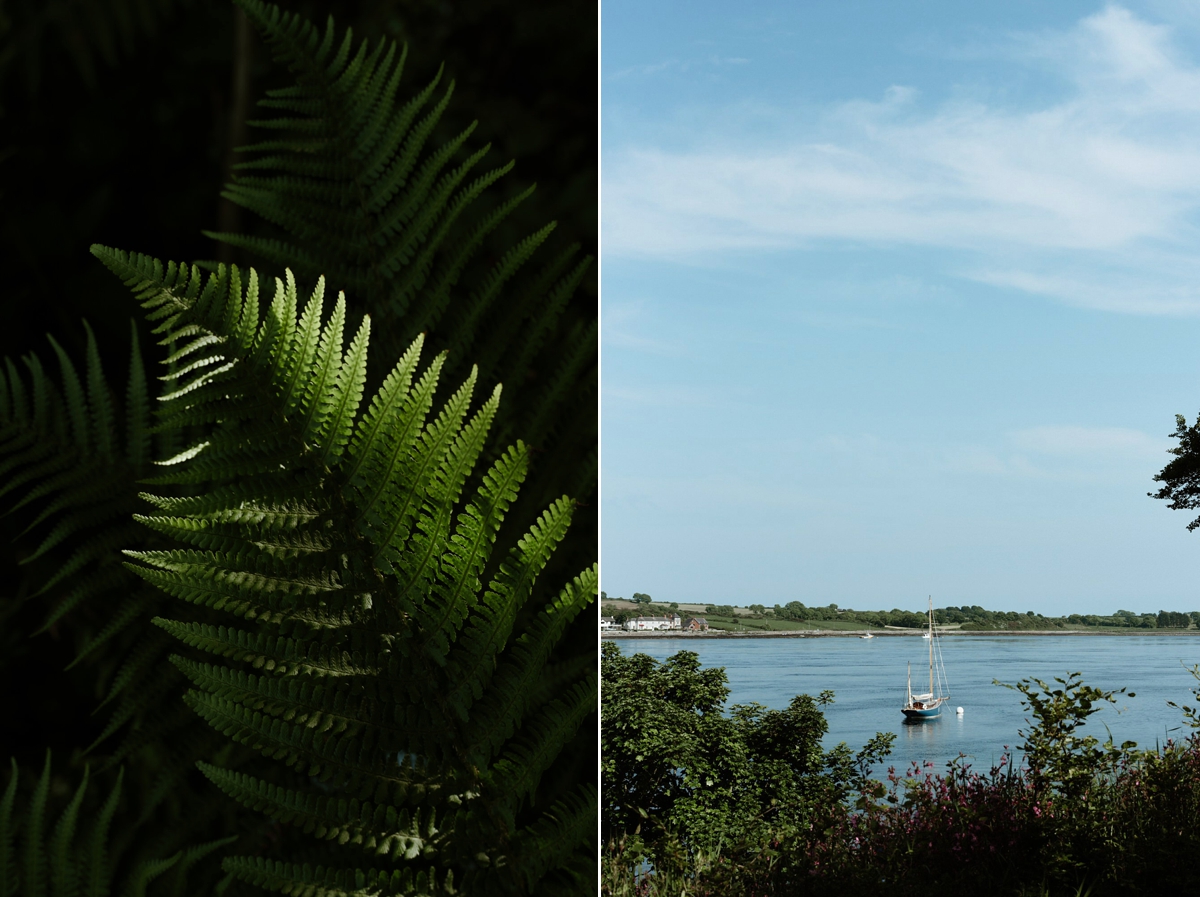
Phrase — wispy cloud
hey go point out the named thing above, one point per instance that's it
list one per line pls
(1090, 442)
(662, 396)
(1091, 199)
(682, 65)
(1064, 452)
(625, 327)
(649, 68)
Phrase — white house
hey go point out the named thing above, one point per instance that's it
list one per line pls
(644, 624)
(607, 623)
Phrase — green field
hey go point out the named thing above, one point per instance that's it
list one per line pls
(837, 624)
(744, 624)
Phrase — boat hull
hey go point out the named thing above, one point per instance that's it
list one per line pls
(923, 713)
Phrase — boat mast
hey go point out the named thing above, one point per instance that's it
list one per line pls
(909, 684)
(931, 648)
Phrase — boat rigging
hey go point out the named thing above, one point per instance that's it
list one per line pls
(929, 704)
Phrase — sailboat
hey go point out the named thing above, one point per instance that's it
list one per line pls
(928, 705)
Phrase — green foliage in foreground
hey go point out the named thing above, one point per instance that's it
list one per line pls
(680, 774)
(362, 566)
(368, 193)
(357, 643)
(1078, 816)
(78, 856)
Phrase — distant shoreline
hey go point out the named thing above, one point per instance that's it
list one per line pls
(888, 633)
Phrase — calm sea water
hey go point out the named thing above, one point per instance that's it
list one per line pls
(868, 679)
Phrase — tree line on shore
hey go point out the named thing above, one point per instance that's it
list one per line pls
(968, 618)
(975, 617)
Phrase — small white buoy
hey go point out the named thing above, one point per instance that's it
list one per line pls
(959, 711)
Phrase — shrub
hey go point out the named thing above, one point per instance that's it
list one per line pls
(1076, 816)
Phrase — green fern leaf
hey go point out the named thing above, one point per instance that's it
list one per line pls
(63, 874)
(95, 875)
(66, 864)
(514, 688)
(34, 881)
(543, 846)
(474, 658)
(404, 222)
(367, 638)
(66, 465)
(9, 880)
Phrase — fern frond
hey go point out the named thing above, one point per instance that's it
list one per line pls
(96, 854)
(518, 337)
(332, 429)
(428, 458)
(187, 859)
(145, 872)
(418, 566)
(471, 312)
(126, 612)
(515, 686)
(578, 358)
(143, 695)
(548, 843)
(469, 549)
(321, 881)
(366, 637)
(368, 198)
(473, 659)
(266, 651)
(385, 450)
(8, 856)
(542, 738)
(34, 867)
(74, 863)
(381, 829)
(92, 35)
(66, 464)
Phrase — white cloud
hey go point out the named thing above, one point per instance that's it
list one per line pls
(1173, 289)
(646, 69)
(1091, 199)
(661, 396)
(624, 326)
(681, 65)
(1080, 442)
(1064, 453)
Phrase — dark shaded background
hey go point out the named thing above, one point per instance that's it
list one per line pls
(115, 129)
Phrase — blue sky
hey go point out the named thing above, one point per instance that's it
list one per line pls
(898, 299)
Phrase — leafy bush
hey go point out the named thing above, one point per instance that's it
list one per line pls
(1076, 816)
(687, 777)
